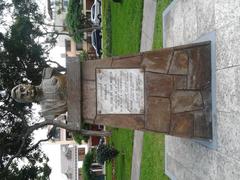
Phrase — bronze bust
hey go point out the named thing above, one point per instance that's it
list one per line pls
(51, 94)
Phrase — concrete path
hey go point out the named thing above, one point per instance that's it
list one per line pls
(137, 155)
(149, 12)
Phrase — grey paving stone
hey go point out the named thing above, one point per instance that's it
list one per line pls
(177, 24)
(146, 43)
(168, 33)
(227, 45)
(228, 90)
(185, 156)
(227, 168)
(229, 134)
(187, 20)
(179, 172)
(226, 12)
(195, 157)
(205, 16)
(190, 20)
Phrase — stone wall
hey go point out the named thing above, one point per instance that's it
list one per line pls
(177, 91)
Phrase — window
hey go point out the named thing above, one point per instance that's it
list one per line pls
(68, 135)
(68, 45)
(57, 134)
(81, 154)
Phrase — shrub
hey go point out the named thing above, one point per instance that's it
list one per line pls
(78, 138)
(88, 160)
(105, 153)
(83, 56)
(73, 19)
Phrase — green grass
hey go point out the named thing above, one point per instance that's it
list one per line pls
(153, 143)
(158, 31)
(152, 166)
(126, 24)
(122, 24)
(106, 29)
(122, 35)
(122, 140)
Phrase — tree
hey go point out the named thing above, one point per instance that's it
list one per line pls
(30, 170)
(77, 22)
(88, 160)
(22, 60)
(23, 55)
(105, 153)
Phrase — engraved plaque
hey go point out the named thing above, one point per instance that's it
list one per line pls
(120, 91)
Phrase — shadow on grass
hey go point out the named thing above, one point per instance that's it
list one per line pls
(118, 1)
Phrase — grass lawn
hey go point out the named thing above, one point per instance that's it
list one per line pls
(122, 35)
(122, 23)
(126, 26)
(158, 31)
(106, 29)
(152, 166)
(122, 140)
(124, 29)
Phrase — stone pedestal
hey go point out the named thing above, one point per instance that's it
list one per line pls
(177, 91)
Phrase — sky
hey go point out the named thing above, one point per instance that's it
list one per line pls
(53, 153)
(51, 150)
(7, 18)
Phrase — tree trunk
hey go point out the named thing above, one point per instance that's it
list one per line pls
(81, 131)
(95, 133)
(57, 124)
(68, 127)
(78, 31)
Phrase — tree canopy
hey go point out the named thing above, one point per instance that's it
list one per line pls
(77, 22)
(22, 59)
(24, 47)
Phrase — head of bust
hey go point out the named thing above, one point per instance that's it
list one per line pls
(25, 93)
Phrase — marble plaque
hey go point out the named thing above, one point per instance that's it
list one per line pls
(120, 91)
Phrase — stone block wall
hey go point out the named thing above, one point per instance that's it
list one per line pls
(177, 91)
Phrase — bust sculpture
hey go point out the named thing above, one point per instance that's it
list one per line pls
(51, 94)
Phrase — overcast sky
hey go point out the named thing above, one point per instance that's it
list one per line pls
(51, 150)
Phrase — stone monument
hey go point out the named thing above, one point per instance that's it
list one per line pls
(166, 91)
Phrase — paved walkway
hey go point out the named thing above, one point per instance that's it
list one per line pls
(186, 22)
(149, 12)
